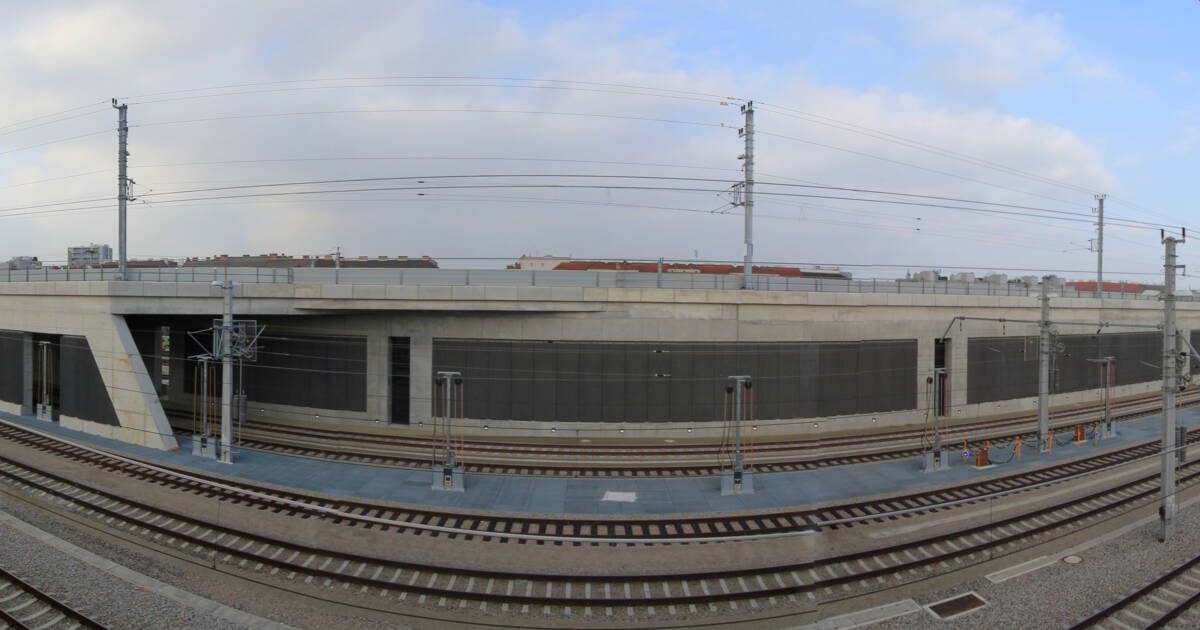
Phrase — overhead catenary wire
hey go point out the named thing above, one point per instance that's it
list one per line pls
(103, 104)
(916, 144)
(426, 84)
(414, 110)
(55, 141)
(437, 77)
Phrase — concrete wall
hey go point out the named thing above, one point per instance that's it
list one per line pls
(679, 315)
(558, 313)
(85, 309)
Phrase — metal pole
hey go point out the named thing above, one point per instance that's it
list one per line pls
(1044, 371)
(739, 459)
(227, 376)
(1166, 511)
(448, 379)
(748, 200)
(1100, 243)
(937, 408)
(1108, 423)
(122, 181)
(449, 399)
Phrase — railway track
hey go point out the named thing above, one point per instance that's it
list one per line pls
(24, 606)
(649, 461)
(635, 597)
(1168, 602)
(575, 528)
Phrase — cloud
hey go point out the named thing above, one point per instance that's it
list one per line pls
(462, 124)
(990, 46)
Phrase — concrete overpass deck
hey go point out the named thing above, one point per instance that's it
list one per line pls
(602, 496)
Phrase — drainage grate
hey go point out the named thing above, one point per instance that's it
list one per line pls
(955, 606)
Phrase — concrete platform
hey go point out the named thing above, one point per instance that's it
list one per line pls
(609, 496)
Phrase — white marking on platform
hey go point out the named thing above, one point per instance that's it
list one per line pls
(1047, 560)
(866, 617)
(620, 497)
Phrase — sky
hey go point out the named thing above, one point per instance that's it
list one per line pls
(889, 136)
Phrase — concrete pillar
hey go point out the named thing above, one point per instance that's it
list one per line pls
(957, 367)
(1185, 368)
(27, 374)
(181, 370)
(420, 382)
(134, 398)
(925, 355)
(379, 366)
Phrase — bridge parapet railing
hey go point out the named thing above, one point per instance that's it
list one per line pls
(549, 278)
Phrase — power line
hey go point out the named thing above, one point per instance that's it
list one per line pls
(626, 187)
(60, 178)
(65, 111)
(911, 165)
(916, 144)
(48, 122)
(410, 110)
(437, 77)
(506, 86)
(429, 158)
(1132, 222)
(49, 142)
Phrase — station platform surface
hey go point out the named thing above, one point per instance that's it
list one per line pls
(544, 495)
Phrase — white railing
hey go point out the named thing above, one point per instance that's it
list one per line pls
(552, 278)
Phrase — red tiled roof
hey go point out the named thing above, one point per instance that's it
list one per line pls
(1110, 287)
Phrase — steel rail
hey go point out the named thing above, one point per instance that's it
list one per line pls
(1069, 518)
(807, 517)
(81, 620)
(1137, 595)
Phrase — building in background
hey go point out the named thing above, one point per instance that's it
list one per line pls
(326, 261)
(540, 263)
(22, 263)
(91, 255)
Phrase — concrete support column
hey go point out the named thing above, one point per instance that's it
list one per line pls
(27, 374)
(182, 370)
(420, 383)
(956, 365)
(1185, 368)
(925, 355)
(379, 375)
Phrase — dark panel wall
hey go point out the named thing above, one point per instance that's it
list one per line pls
(11, 363)
(1000, 368)
(324, 372)
(680, 382)
(400, 352)
(82, 392)
(1195, 339)
(1139, 356)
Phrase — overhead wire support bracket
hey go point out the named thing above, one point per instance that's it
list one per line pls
(448, 476)
(739, 479)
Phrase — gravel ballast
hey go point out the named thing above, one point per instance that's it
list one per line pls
(1062, 594)
(119, 604)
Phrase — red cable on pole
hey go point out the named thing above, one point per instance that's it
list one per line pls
(461, 414)
(750, 419)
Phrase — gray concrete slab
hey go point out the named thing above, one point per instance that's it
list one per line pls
(588, 496)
